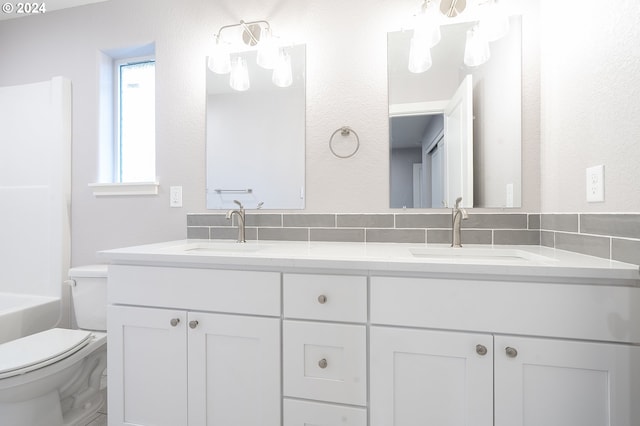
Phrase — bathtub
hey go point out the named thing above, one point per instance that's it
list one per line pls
(21, 315)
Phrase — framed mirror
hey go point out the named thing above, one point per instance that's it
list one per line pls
(475, 153)
(255, 139)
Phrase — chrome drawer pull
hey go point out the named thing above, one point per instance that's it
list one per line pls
(193, 324)
(174, 322)
(511, 352)
(322, 299)
(481, 350)
(322, 363)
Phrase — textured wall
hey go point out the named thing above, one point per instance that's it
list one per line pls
(346, 85)
(590, 103)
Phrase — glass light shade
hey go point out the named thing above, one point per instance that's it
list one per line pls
(427, 23)
(419, 55)
(494, 21)
(282, 73)
(219, 60)
(267, 49)
(239, 78)
(476, 50)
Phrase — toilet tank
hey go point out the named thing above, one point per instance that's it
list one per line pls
(89, 294)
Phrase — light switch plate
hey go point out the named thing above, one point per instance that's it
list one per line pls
(175, 196)
(595, 184)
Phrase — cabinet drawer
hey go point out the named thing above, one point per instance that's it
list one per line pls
(587, 312)
(241, 292)
(325, 297)
(326, 362)
(302, 413)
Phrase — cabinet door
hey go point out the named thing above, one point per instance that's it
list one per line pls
(421, 377)
(305, 413)
(234, 370)
(147, 361)
(540, 382)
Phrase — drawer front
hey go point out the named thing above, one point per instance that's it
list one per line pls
(588, 312)
(325, 297)
(303, 413)
(242, 292)
(326, 362)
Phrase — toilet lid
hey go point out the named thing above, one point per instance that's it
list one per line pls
(39, 350)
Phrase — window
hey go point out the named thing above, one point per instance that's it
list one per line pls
(126, 122)
(135, 120)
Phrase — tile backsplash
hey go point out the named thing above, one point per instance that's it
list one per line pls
(480, 228)
(611, 236)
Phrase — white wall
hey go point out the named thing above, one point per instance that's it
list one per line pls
(346, 85)
(590, 103)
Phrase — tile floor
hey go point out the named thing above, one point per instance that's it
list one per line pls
(101, 420)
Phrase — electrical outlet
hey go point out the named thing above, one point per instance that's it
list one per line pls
(595, 184)
(175, 196)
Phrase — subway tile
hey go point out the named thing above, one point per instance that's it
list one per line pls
(585, 244)
(365, 221)
(232, 233)
(423, 220)
(615, 225)
(207, 220)
(266, 219)
(625, 250)
(496, 221)
(559, 222)
(547, 239)
(534, 221)
(395, 236)
(516, 237)
(309, 220)
(283, 234)
(332, 234)
(198, 232)
(468, 236)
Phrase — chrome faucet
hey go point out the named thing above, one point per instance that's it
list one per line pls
(457, 216)
(240, 214)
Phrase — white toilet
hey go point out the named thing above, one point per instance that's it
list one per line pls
(53, 378)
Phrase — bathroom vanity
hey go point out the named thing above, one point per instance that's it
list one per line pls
(217, 333)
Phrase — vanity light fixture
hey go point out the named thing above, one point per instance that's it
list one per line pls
(493, 23)
(269, 55)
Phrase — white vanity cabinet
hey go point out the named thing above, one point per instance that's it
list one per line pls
(193, 363)
(457, 377)
(324, 349)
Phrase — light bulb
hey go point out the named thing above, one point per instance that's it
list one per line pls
(427, 24)
(419, 55)
(282, 73)
(219, 60)
(476, 50)
(267, 49)
(239, 78)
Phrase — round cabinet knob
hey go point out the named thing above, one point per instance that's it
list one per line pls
(174, 322)
(193, 324)
(322, 363)
(322, 299)
(481, 350)
(511, 352)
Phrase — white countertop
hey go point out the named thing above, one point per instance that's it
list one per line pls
(434, 260)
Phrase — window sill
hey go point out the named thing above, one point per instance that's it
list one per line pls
(124, 188)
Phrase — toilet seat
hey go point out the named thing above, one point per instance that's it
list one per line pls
(39, 350)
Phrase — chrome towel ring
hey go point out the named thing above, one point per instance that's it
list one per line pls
(344, 131)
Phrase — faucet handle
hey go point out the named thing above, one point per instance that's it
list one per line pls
(238, 203)
(458, 201)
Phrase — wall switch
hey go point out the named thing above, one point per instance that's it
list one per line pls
(595, 184)
(175, 196)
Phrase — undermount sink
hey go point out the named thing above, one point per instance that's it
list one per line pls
(219, 247)
(488, 255)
